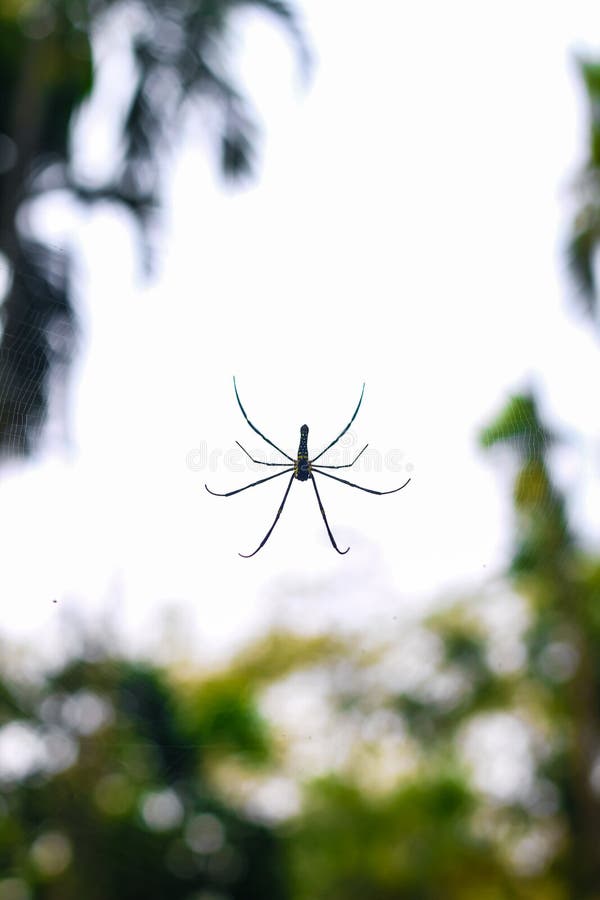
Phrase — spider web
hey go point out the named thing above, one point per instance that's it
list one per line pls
(36, 349)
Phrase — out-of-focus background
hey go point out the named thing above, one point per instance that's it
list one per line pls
(307, 196)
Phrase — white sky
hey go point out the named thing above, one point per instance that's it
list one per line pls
(405, 230)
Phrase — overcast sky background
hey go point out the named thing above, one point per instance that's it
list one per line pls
(405, 230)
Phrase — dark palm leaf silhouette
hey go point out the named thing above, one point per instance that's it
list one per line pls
(584, 239)
(46, 72)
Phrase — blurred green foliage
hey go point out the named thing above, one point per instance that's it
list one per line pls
(495, 733)
(584, 238)
(107, 792)
(418, 840)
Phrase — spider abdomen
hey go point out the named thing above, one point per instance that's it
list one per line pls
(302, 469)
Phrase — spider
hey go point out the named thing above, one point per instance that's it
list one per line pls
(301, 468)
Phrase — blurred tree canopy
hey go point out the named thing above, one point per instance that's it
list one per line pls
(486, 721)
(105, 767)
(181, 57)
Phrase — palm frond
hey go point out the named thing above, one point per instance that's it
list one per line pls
(580, 252)
(181, 55)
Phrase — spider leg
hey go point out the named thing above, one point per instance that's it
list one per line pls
(360, 488)
(331, 538)
(259, 461)
(346, 465)
(245, 488)
(254, 428)
(268, 534)
(341, 432)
